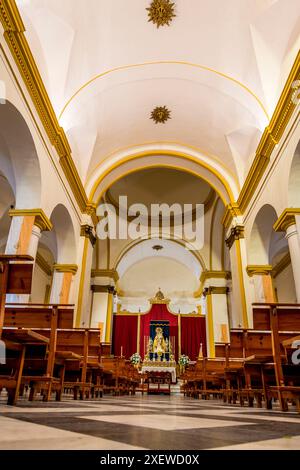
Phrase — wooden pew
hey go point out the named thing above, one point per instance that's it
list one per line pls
(44, 318)
(282, 317)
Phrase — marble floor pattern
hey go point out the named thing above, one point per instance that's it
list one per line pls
(145, 422)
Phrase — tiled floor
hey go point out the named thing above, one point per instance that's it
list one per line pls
(128, 423)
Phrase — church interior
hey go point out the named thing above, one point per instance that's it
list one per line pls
(149, 225)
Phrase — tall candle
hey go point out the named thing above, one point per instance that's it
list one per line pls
(121, 351)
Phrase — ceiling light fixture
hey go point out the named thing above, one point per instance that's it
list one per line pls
(160, 114)
(161, 12)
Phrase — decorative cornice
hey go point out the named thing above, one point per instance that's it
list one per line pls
(272, 135)
(214, 275)
(205, 275)
(91, 209)
(231, 211)
(41, 220)
(287, 218)
(87, 232)
(281, 265)
(261, 270)
(111, 273)
(43, 264)
(66, 268)
(14, 34)
(103, 289)
(236, 233)
(215, 290)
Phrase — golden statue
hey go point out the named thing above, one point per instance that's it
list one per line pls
(159, 343)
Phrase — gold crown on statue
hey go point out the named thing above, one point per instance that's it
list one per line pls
(159, 298)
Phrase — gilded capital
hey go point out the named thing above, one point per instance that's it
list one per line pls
(40, 218)
(236, 233)
(214, 290)
(87, 232)
(287, 218)
(66, 268)
(260, 270)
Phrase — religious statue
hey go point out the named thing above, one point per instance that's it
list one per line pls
(159, 343)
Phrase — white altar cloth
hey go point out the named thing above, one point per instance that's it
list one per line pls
(157, 368)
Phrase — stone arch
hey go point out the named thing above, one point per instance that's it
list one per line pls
(262, 236)
(65, 235)
(19, 160)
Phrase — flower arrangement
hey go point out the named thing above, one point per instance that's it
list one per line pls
(183, 360)
(135, 359)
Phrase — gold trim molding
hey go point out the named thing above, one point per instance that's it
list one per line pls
(66, 268)
(213, 290)
(43, 264)
(231, 211)
(261, 270)
(281, 265)
(87, 232)
(287, 218)
(271, 136)
(103, 289)
(214, 275)
(236, 233)
(14, 34)
(41, 220)
(110, 273)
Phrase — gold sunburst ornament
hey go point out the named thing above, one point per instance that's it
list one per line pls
(161, 12)
(161, 114)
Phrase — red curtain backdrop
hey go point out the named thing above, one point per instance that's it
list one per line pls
(125, 335)
(193, 333)
(158, 312)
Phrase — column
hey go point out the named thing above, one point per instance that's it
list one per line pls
(25, 231)
(63, 275)
(263, 283)
(289, 222)
(103, 291)
(241, 306)
(87, 243)
(217, 321)
(24, 235)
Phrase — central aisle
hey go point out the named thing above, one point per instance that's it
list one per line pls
(145, 423)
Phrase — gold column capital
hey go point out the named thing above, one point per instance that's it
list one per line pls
(87, 232)
(66, 268)
(286, 219)
(261, 270)
(41, 220)
(236, 233)
(110, 273)
(211, 274)
(214, 290)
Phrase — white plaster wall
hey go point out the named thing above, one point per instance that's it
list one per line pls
(285, 286)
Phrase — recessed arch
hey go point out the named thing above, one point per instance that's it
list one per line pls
(263, 239)
(65, 235)
(19, 161)
(225, 187)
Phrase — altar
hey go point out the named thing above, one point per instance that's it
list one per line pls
(160, 368)
(159, 337)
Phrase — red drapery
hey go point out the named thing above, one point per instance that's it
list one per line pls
(158, 312)
(193, 333)
(125, 335)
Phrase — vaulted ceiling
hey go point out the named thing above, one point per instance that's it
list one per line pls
(219, 68)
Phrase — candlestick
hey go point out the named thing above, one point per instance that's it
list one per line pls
(121, 351)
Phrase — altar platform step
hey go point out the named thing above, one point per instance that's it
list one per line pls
(175, 389)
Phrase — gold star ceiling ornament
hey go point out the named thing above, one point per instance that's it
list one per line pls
(161, 12)
(160, 114)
